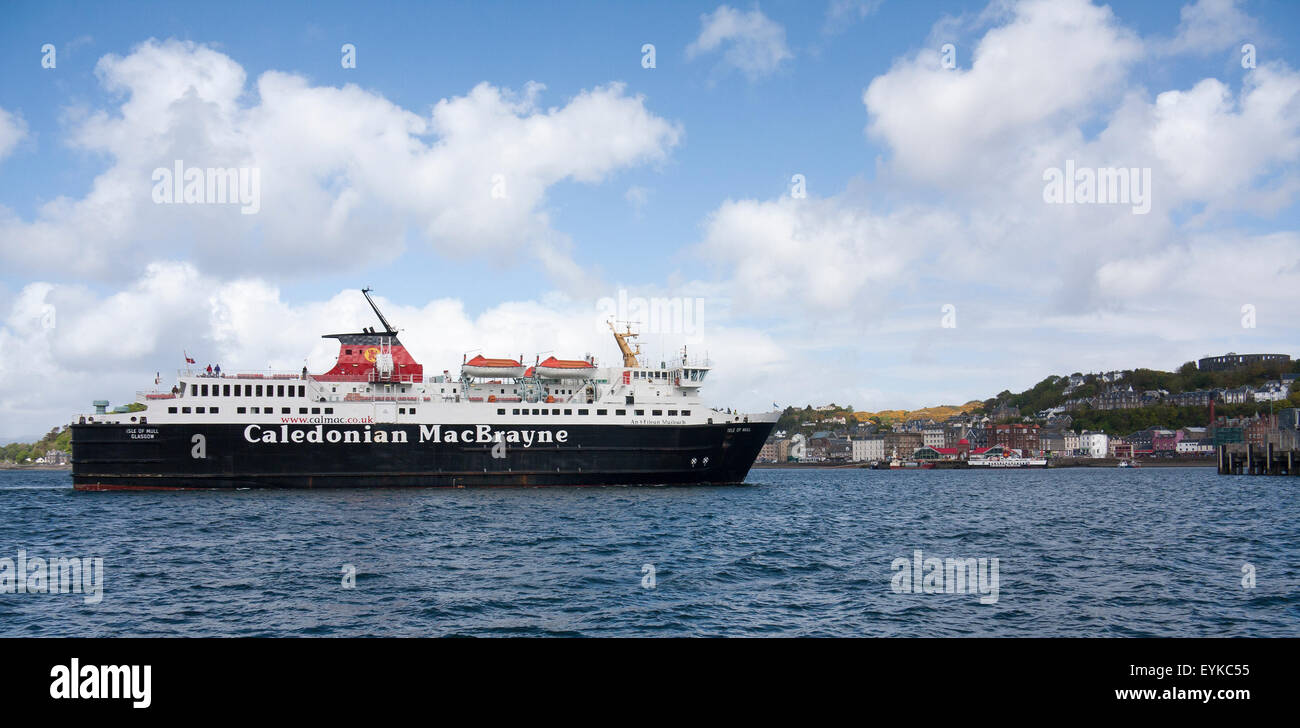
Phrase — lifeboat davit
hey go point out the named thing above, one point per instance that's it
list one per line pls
(554, 368)
(483, 367)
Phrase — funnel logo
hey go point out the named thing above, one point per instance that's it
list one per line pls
(371, 353)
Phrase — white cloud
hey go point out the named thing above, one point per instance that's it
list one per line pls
(341, 169)
(12, 130)
(1210, 26)
(1216, 148)
(755, 44)
(823, 253)
(637, 196)
(1048, 66)
(841, 14)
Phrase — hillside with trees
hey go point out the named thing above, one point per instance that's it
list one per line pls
(1050, 392)
(59, 438)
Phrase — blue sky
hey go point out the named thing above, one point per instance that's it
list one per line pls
(888, 234)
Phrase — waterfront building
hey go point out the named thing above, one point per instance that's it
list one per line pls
(902, 443)
(869, 449)
(1094, 444)
(775, 450)
(1195, 447)
(1016, 437)
(933, 437)
(1165, 441)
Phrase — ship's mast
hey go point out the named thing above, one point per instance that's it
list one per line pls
(388, 328)
(629, 356)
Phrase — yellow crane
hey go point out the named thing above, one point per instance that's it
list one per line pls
(629, 356)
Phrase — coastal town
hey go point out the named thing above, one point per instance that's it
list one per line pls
(1266, 412)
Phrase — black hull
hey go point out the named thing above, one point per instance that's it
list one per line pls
(149, 457)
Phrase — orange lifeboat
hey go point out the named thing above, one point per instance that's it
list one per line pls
(482, 367)
(554, 368)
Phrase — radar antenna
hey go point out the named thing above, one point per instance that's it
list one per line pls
(388, 328)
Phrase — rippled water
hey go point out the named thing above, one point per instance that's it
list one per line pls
(1101, 552)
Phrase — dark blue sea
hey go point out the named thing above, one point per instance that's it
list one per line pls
(1081, 552)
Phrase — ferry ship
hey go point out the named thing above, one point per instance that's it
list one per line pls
(375, 420)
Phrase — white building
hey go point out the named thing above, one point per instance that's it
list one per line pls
(932, 437)
(1072, 443)
(1094, 444)
(1274, 391)
(869, 449)
(1195, 447)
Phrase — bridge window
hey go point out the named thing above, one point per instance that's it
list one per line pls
(315, 410)
(686, 413)
(241, 410)
(185, 410)
(171, 410)
(225, 390)
(514, 411)
(620, 412)
(657, 413)
(216, 410)
(640, 413)
(672, 413)
(602, 412)
(302, 410)
(198, 410)
(583, 411)
(194, 390)
(330, 411)
(259, 390)
(203, 391)
(284, 410)
(500, 411)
